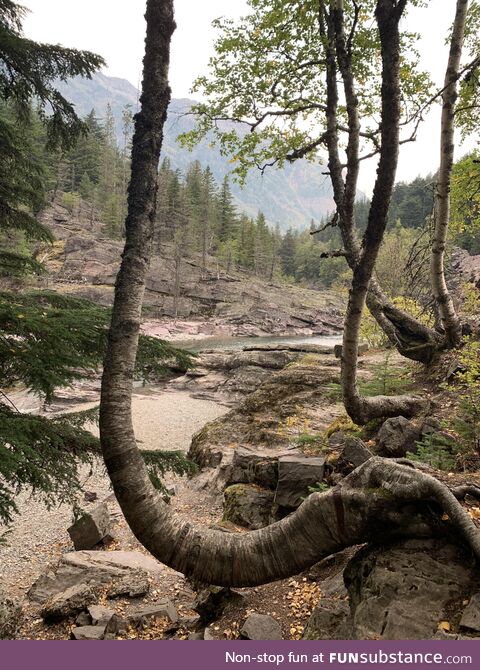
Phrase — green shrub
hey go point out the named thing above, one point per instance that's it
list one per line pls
(435, 450)
(467, 387)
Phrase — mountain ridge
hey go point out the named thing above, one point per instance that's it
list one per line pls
(290, 197)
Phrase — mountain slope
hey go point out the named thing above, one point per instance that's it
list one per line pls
(290, 197)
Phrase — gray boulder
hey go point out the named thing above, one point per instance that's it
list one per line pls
(94, 569)
(355, 451)
(100, 615)
(251, 466)
(261, 627)
(91, 528)
(396, 437)
(295, 475)
(248, 505)
(329, 621)
(88, 633)
(403, 591)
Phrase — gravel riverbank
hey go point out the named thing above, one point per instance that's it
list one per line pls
(162, 420)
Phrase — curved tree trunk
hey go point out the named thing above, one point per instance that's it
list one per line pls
(378, 499)
(360, 409)
(450, 321)
(411, 338)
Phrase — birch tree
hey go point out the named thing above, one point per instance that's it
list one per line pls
(381, 498)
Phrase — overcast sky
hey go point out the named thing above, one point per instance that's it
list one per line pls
(115, 29)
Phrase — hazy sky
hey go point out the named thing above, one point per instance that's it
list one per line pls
(115, 29)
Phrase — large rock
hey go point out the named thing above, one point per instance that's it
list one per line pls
(91, 528)
(355, 451)
(295, 475)
(396, 437)
(329, 621)
(93, 568)
(404, 590)
(261, 627)
(262, 418)
(67, 603)
(248, 505)
(254, 466)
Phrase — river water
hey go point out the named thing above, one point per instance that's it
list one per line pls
(238, 343)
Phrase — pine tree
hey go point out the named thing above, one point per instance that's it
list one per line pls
(207, 214)
(28, 71)
(227, 215)
(48, 341)
(21, 194)
(287, 253)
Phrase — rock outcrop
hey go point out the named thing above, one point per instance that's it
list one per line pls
(407, 590)
(85, 262)
(121, 570)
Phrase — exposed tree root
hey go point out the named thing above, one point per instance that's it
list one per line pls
(381, 499)
(362, 410)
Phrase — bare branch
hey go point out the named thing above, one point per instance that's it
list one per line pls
(337, 253)
(330, 224)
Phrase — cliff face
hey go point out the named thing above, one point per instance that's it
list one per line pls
(84, 262)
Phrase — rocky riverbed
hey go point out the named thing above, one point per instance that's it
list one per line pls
(263, 424)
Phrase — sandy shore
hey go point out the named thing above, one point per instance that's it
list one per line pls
(162, 420)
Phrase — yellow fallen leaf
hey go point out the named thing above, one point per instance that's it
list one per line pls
(474, 512)
(444, 625)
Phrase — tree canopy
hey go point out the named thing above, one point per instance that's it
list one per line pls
(28, 72)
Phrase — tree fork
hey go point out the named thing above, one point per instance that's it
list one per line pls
(410, 337)
(388, 14)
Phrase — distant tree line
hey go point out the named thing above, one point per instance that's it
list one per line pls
(199, 216)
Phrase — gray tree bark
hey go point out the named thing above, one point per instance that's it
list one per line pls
(449, 319)
(361, 410)
(411, 338)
